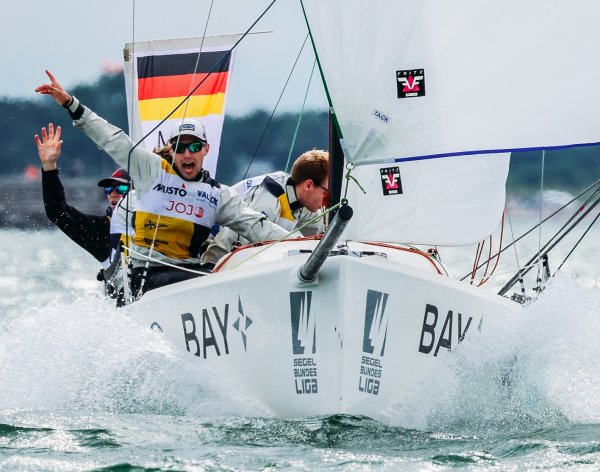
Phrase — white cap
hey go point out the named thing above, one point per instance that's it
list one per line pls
(188, 127)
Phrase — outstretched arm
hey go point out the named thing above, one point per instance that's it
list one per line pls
(144, 166)
(91, 232)
(49, 147)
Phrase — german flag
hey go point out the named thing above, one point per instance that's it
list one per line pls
(165, 80)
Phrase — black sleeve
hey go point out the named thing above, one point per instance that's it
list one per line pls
(91, 232)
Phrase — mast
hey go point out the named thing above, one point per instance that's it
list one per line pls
(336, 165)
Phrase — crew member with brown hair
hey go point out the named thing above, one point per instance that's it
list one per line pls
(287, 200)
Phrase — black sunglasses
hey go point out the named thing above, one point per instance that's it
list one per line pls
(194, 146)
(121, 189)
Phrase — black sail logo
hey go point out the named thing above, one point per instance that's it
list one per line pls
(303, 323)
(376, 322)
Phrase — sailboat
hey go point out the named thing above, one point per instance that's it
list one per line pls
(427, 100)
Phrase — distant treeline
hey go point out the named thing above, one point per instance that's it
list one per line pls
(20, 119)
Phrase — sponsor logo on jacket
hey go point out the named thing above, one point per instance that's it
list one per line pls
(211, 199)
(182, 192)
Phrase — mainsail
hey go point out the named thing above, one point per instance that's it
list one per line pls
(160, 74)
(426, 80)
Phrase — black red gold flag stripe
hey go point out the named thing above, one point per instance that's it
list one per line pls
(165, 80)
(181, 85)
(180, 64)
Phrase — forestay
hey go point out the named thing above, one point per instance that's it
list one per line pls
(431, 79)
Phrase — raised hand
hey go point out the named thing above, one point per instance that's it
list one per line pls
(54, 89)
(49, 147)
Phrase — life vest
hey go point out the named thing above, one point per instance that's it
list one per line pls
(175, 216)
(286, 218)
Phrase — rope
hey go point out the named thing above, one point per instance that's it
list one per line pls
(309, 238)
(484, 279)
(539, 274)
(273, 243)
(576, 244)
(126, 272)
(478, 252)
(187, 104)
(167, 264)
(185, 100)
(287, 164)
(550, 244)
(275, 109)
(407, 249)
(209, 73)
(348, 176)
(147, 265)
(489, 258)
(596, 183)
(512, 234)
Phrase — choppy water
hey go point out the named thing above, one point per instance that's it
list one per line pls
(81, 389)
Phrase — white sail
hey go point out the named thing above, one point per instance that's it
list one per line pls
(437, 201)
(479, 76)
(426, 81)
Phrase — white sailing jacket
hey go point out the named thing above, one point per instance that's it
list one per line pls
(274, 196)
(171, 222)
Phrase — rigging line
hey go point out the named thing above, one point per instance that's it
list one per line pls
(478, 252)
(208, 74)
(187, 104)
(147, 265)
(512, 234)
(287, 164)
(127, 240)
(275, 109)
(597, 182)
(295, 230)
(499, 274)
(540, 225)
(576, 244)
(167, 264)
(489, 258)
(312, 42)
(485, 279)
(547, 249)
(131, 112)
(348, 176)
(564, 228)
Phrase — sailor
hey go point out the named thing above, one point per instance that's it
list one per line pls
(177, 204)
(291, 201)
(97, 234)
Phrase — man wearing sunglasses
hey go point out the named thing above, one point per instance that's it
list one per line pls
(177, 204)
(97, 234)
(289, 200)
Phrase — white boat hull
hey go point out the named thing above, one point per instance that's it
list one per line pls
(356, 341)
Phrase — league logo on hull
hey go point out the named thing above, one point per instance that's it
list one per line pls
(374, 338)
(304, 342)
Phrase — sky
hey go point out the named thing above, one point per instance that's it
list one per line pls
(78, 39)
